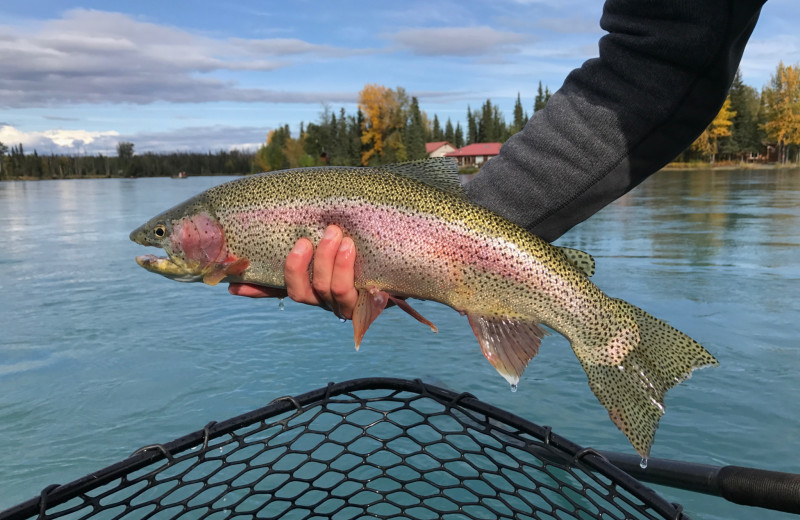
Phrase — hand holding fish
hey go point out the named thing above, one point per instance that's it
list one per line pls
(333, 287)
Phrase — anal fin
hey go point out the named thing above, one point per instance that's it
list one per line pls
(508, 344)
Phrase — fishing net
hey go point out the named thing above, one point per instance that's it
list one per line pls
(367, 448)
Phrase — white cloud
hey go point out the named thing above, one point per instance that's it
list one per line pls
(57, 140)
(575, 54)
(458, 41)
(762, 55)
(571, 25)
(290, 47)
(200, 139)
(195, 139)
(101, 57)
(73, 138)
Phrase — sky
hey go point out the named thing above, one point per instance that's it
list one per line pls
(79, 77)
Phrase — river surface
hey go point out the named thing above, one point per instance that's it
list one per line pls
(99, 357)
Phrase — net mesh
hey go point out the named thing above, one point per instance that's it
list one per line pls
(368, 448)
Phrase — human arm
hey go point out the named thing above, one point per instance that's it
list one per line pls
(663, 73)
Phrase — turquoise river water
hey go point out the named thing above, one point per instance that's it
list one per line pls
(99, 357)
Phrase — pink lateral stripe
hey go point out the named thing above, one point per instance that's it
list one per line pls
(389, 229)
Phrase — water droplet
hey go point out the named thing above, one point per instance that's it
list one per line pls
(513, 387)
(643, 464)
(280, 304)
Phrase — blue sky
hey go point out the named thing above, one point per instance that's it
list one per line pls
(208, 75)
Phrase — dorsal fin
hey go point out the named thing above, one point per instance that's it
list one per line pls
(439, 172)
(579, 259)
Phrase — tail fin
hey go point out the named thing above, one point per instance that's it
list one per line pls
(631, 370)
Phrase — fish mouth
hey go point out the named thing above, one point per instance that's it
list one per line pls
(165, 266)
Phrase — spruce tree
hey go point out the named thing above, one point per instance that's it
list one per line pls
(519, 116)
(415, 133)
(472, 127)
(459, 136)
(746, 136)
(436, 133)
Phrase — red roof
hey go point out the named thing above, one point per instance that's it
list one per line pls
(432, 147)
(477, 149)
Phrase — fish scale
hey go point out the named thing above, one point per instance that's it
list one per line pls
(417, 236)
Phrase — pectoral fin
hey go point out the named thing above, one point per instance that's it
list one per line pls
(371, 303)
(509, 344)
(235, 268)
(214, 277)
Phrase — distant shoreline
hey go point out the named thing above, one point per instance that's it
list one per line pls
(730, 166)
(95, 177)
(669, 167)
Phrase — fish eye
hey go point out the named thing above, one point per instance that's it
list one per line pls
(160, 231)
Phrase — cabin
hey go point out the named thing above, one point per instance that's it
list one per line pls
(475, 154)
(439, 149)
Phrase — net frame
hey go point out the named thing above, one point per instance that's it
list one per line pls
(364, 448)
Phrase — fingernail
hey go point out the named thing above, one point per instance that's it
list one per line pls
(346, 246)
(330, 233)
(300, 247)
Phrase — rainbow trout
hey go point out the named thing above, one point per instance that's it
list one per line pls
(417, 236)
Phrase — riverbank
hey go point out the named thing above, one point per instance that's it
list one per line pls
(95, 177)
(728, 165)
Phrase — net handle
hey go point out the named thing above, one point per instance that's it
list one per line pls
(745, 486)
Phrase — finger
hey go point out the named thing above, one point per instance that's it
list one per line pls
(324, 259)
(342, 283)
(250, 290)
(298, 286)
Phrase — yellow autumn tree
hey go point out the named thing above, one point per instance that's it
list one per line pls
(294, 152)
(708, 142)
(372, 101)
(271, 156)
(283, 151)
(261, 158)
(385, 111)
(782, 105)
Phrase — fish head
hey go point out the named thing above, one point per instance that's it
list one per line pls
(193, 240)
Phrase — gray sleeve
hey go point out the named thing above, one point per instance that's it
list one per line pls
(662, 75)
